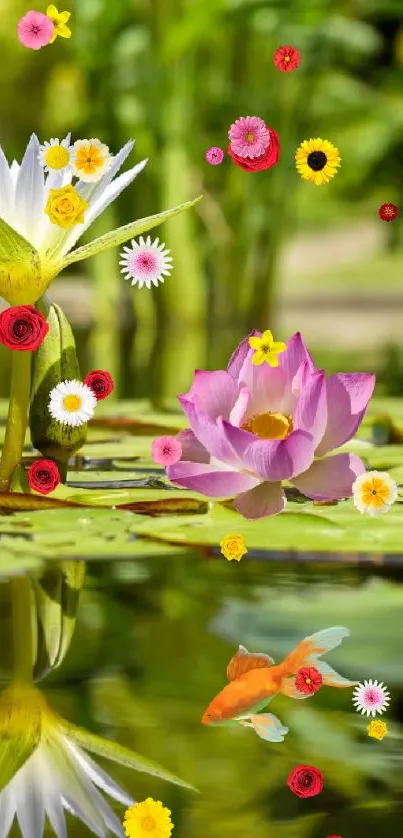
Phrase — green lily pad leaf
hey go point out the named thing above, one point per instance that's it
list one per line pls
(121, 754)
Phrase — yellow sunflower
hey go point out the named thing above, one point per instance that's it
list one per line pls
(317, 160)
(149, 819)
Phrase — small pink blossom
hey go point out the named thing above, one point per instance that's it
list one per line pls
(249, 137)
(166, 450)
(214, 155)
(35, 30)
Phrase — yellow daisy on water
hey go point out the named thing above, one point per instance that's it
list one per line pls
(374, 492)
(59, 20)
(317, 160)
(377, 729)
(267, 349)
(149, 819)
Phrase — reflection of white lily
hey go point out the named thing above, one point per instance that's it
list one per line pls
(44, 769)
(33, 250)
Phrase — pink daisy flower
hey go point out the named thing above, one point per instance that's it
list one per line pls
(35, 30)
(249, 137)
(371, 697)
(214, 155)
(166, 450)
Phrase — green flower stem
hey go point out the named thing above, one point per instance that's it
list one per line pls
(17, 416)
(21, 594)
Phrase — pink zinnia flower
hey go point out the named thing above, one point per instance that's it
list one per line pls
(166, 450)
(249, 136)
(35, 30)
(214, 155)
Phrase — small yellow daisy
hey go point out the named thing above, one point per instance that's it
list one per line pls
(55, 155)
(266, 348)
(377, 729)
(149, 819)
(91, 159)
(233, 547)
(59, 20)
(374, 492)
(317, 160)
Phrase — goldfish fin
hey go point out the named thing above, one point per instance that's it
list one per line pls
(268, 727)
(312, 647)
(243, 661)
(331, 678)
(289, 688)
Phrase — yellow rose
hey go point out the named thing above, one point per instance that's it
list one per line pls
(65, 207)
(377, 729)
(233, 547)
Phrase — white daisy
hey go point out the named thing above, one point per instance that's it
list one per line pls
(91, 159)
(56, 155)
(145, 263)
(72, 403)
(374, 492)
(371, 697)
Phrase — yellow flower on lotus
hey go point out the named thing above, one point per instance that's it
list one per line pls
(233, 547)
(267, 349)
(59, 20)
(377, 729)
(65, 207)
(91, 159)
(33, 250)
(149, 819)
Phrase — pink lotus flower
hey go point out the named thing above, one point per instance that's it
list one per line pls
(35, 30)
(254, 426)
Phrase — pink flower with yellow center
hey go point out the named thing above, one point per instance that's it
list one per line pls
(249, 137)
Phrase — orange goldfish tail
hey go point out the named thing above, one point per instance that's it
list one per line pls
(307, 654)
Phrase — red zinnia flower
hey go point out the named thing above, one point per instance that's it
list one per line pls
(43, 476)
(287, 59)
(100, 382)
(305, 781)
(266, 160)
(388, 212)
(23, 328)
(308, 680)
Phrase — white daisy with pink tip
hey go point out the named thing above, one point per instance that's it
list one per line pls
(371, 697)
(146, 262)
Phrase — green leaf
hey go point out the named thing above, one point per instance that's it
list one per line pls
(20, 733)
(118, 753)
(21, 280)
(122, 234)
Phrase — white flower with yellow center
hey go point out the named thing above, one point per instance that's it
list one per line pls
(44, 769)
(56, 155)
(145, 262)
(374, 492)
(72, 403)
(33, 250)
(91, 159)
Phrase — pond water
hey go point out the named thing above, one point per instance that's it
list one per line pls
(152, 641)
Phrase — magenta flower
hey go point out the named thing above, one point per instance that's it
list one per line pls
(249, 137)
(254, 426)
(215, 155)
(35, 30)
(166, 450)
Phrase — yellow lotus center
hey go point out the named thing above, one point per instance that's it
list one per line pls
(72, 402)
(148, 823)
(57, 157)
(269, 425)
(250, 137)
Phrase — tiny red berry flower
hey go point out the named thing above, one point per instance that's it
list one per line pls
(100, 382)
(287, 59)
(388, 212)
(308, 680)
(43, 476)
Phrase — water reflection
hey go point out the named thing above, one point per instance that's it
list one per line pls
(150, 649)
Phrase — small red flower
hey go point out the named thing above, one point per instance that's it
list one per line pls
(308, 680)
(388, 212)
(100, 382)
(43, 476)
(266, 160)
(287, 59)
(23, 328)
(305, 781)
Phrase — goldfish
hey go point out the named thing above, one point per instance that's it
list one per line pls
(255, 679)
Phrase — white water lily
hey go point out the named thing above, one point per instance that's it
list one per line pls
(45, 770)
(33, 250)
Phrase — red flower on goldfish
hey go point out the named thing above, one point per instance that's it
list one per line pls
(308, 680)
(305, 781)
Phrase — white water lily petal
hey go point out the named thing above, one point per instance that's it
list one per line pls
(98, 776)
(29, 191)
(7, 811)
(14, 169)
(75, 809)
(30, 811)
(6, 188)
(77, 789)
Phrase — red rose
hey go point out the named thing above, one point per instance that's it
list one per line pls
(43, 476)
(388, 212)
(308, 680)
(100, 382)
(305, 781)
(23, 328)
(287, 59)
(266, 160)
